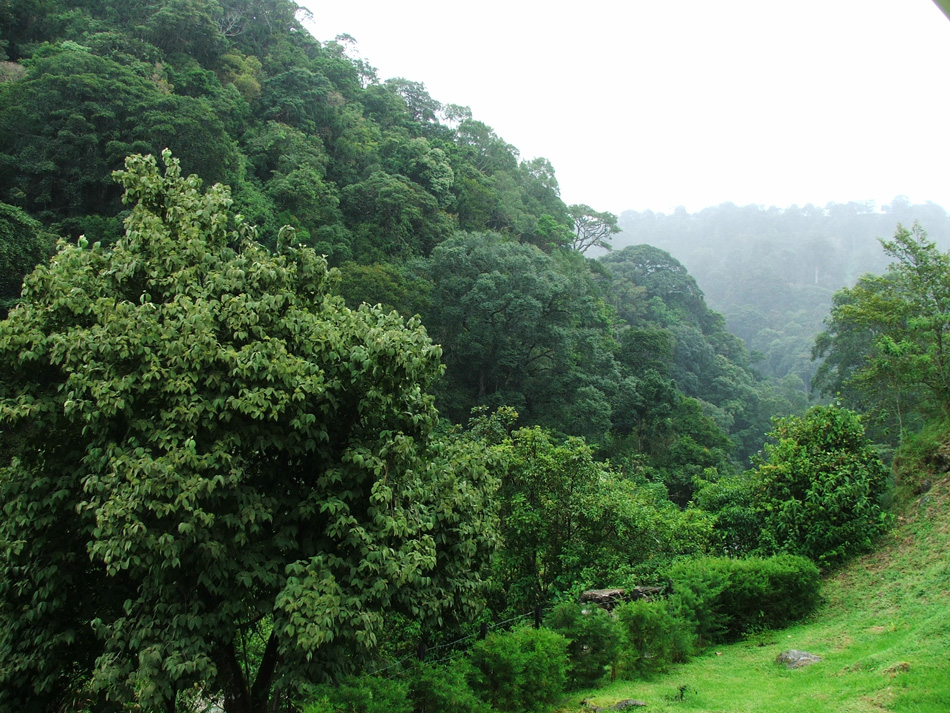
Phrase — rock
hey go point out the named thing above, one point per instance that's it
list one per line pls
(605, 598)
(923, 486)
(621, 705)
(796, 659)
(609, 598)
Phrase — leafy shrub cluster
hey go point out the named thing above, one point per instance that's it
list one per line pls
(817, 492)
(594, 641)
(520, 671)
(527, 670)
(653, 637)
(721, 599)
(524, 670)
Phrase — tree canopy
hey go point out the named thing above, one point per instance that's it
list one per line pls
(221, 468)
(202, 446)
(887, 342)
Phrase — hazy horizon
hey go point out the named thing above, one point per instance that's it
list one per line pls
(651, 106)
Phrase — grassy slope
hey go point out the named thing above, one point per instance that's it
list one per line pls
(883, 631)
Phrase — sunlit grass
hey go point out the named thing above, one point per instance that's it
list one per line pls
(883, 632)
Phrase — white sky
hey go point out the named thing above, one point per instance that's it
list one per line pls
(651, 104)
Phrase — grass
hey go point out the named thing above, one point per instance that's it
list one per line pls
(883, 632)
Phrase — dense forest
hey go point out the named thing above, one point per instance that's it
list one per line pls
(303, 371)
(422, 207)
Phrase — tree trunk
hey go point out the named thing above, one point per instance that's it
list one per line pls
(239, 696)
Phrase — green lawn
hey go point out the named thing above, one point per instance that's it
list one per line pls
(883, 632)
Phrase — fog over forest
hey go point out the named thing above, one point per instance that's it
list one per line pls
(650, 106)
(772, 272)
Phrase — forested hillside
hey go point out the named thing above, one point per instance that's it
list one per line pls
(772, 272)
(422, 207)
(303, 372)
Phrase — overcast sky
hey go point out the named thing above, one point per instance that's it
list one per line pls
(652, 104)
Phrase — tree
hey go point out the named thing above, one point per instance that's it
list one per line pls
(391, 216)
(592, 229)
(520, 328)
(187, 26)
(23, 245)
(569, 521)
(202, 447)
(888, 337)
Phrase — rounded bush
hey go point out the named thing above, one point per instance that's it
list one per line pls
(521, 671)
(594, 641)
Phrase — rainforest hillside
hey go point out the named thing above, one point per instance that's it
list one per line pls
(422, 207)
(311, 399)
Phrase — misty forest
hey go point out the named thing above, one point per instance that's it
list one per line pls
(315, 396)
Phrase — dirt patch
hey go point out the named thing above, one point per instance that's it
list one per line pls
(897, 669)
(880, 701)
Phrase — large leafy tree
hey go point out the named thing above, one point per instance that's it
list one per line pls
(816, 492)
(521, 328)
(888, 338)
(203, 448)
(651, 289)
(75, 116)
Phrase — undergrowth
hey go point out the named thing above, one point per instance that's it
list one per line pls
(883, 632)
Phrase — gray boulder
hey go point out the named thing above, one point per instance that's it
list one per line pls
(796, 659)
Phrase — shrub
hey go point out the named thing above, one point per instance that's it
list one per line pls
(722, 599)
(652, 637)
(697, 587)
(594, 641)
(521, 671)
(737, 528)
(435, 689)
(819, 489)
(362, 694)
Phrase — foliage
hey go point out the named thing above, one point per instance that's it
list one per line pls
(887, 339)
(75, 116)
(771, 272)
(520, 328)
(23, 245)
(661, 302)
(435, 688)
(378, 176)
(594, 641)
(883, 630)
(721, 598)
(922, 458)
(395, 217)
(363, 694)
(393, 286)
(569, 521)
(731, 499)
(818, 489)
(521, 671)
(591, 228)
(198, 437)
(652, 637)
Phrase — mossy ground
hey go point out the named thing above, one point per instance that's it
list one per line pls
(883, 632)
